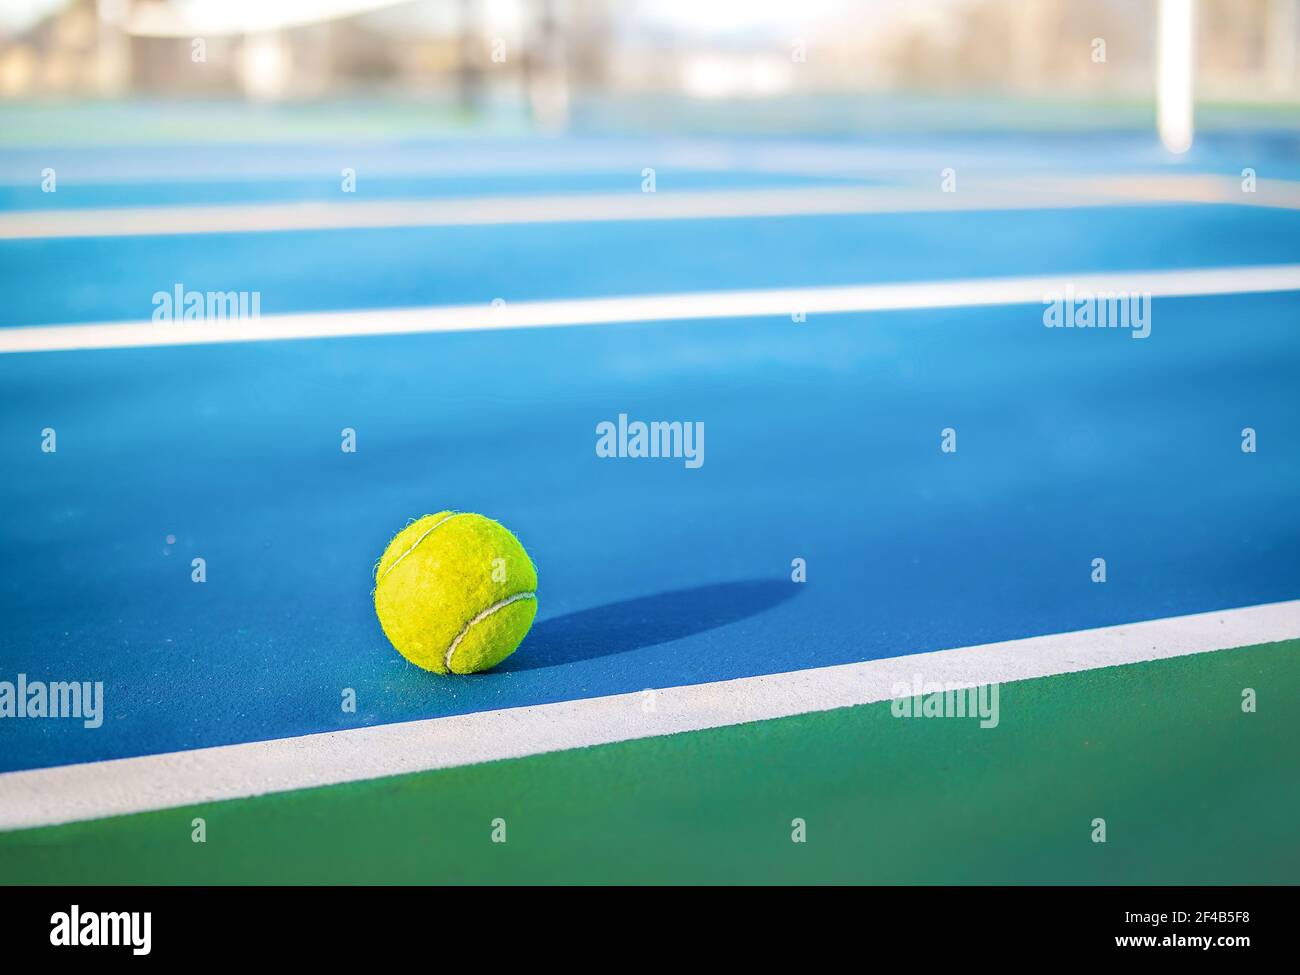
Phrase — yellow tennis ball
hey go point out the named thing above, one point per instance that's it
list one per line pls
(455, 592)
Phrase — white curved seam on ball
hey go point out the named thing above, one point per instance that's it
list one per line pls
(415, 545)
(451, 650)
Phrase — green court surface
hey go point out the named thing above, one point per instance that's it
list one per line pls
(1192, 789)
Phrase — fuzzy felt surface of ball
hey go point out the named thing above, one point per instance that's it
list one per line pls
(455, 592)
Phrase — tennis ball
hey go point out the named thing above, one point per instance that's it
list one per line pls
(455, 592)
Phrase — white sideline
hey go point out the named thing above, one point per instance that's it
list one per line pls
(653, 308)
(94, 790)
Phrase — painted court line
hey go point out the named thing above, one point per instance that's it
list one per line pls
(94, 790)
(652, 308)
(808, 201)
(555, 208)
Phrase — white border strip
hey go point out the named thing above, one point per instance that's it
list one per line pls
(651, 308)
(94, 790)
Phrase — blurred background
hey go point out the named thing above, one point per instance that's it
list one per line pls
(816, 66)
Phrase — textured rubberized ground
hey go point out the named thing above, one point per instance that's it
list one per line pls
(822, 443)
(1192, 789)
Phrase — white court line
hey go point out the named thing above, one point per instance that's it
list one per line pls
(651, 308)
(1027, 194)
(557, 208)
(97, 789)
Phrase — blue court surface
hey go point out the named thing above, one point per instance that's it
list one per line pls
(822, 438)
